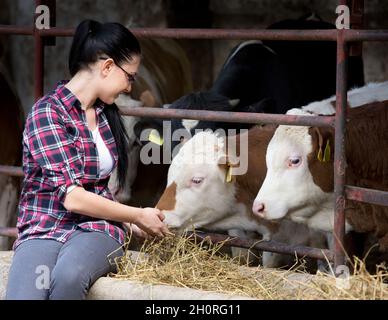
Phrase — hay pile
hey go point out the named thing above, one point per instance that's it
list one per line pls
(183, 262)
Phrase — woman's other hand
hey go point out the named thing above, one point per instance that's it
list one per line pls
(150, 220)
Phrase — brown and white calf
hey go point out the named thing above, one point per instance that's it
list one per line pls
(299, 179)
(199, 195)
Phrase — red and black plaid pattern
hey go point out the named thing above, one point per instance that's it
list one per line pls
(59, 151)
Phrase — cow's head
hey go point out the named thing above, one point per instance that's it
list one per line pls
(299, 173)
(197, 192)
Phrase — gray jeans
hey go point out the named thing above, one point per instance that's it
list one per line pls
(48, 269)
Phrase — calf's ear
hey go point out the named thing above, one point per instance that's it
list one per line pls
(229, 160)
(323, 143)
(320, 160)
(227, 163)
(168, 199)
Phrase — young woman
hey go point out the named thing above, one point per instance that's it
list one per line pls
(68, 222)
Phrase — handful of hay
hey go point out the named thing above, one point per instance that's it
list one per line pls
(185, 262)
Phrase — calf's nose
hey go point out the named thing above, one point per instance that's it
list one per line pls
(258, 209)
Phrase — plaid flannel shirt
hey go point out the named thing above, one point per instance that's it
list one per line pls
(59, 151)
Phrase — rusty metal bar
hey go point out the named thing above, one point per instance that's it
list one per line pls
(11, 171)
(235, 34)
(273, 246)
(308, 35)
(39, 59)
(339, 153)
(16, 30)
(177, 33)
(8, 232)
(367, 195)
(365, 35)
(315, 35)
(241, 117)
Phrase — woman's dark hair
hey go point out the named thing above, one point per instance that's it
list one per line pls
(92, 40)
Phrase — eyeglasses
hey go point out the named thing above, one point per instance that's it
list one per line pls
(130, 77)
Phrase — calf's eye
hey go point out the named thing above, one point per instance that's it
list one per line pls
(196, 180)
(294, 161)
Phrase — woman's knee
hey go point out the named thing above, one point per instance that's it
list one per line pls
(29, 275)
(69, 283)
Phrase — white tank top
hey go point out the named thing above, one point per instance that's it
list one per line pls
(104, 156)
(106, 160)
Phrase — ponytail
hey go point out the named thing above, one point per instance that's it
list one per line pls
(122, 141)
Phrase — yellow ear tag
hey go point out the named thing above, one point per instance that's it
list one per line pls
(319, 155)
(327, 152)
(155, 138)
(229, 174)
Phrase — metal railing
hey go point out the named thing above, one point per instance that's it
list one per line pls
(341, 190)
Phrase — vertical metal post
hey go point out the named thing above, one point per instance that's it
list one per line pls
(356, 22)
(39, 59)
(339, 153)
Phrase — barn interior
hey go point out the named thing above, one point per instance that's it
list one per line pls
(205, 56)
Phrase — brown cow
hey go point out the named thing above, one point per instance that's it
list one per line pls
(299, 180)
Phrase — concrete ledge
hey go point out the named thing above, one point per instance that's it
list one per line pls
(5, 264)
(117, 289)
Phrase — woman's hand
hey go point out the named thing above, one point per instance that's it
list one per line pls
(133, 228)
(150, 220)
